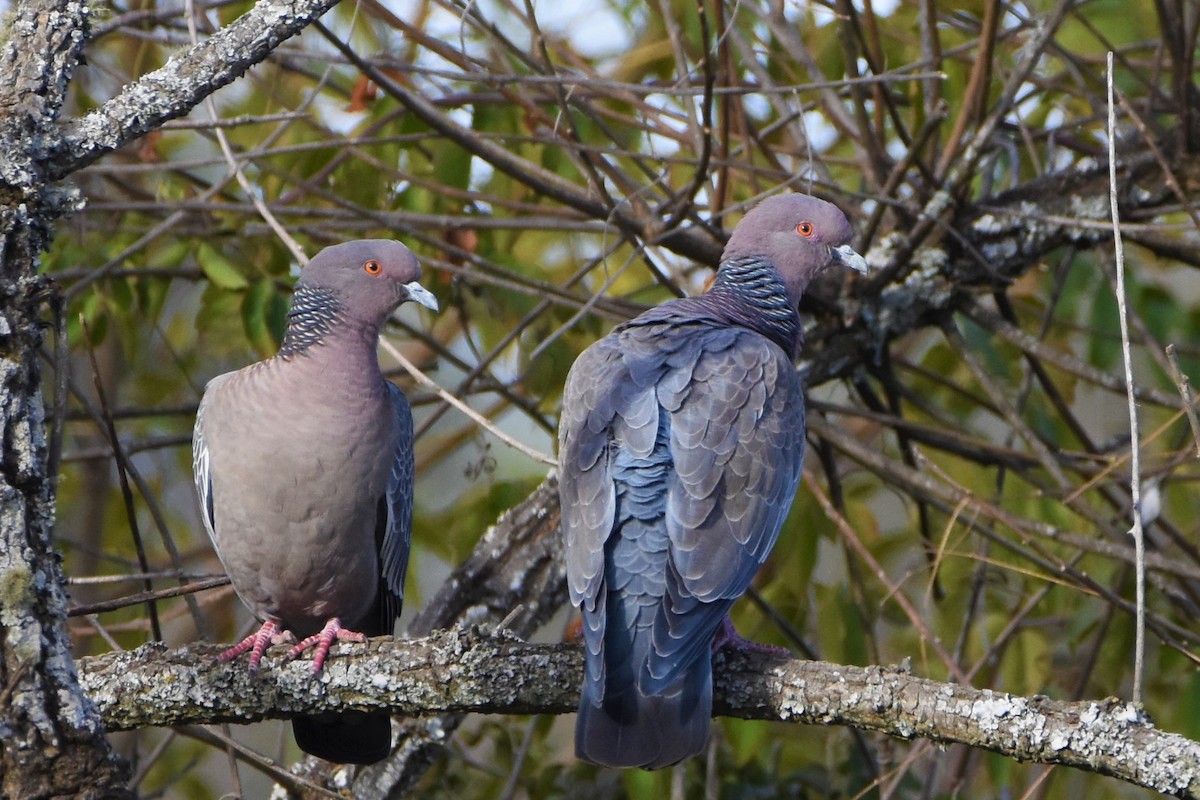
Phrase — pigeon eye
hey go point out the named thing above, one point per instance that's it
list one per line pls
(373, 267)
(805, 229)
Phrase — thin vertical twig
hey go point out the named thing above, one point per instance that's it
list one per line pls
(894, 591)
(1135, 482)
(514, 775)
(235, 169)
(62, 372)
(110, 428)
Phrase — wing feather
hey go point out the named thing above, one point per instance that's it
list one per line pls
(202, 461)
(726, 406)
(585, 482)
(737, 442)
(396, 512)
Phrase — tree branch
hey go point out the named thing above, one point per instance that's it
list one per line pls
(992, 243)
(465, 670)
(183, 82)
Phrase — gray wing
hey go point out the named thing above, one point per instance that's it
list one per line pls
(585, 485)
(394, 533)
(737, 444)
(201, 461)
(608, 405)
(734, 414)
(611, 402)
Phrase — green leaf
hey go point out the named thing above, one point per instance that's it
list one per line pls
(256, 316)
(220, 270)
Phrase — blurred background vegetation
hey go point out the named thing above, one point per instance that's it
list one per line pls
(561, 166)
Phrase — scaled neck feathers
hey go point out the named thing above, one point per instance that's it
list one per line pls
(311, 318)
(750, 293)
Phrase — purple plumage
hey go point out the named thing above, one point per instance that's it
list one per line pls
(680, 447)
(304, 468)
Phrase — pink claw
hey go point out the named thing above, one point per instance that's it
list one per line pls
(728, 636)
(332, 632)
(269, 634)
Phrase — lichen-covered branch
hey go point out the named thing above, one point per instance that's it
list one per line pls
(465, 670)
(183, 82)
(993, 243)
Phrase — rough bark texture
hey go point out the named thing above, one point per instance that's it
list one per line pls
(182, 82)
(51, 739)
(466, 670)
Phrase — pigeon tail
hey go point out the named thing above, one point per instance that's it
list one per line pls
(618, 726)
(347, 737)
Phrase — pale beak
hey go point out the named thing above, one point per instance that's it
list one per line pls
(420, 294)
(847, 256)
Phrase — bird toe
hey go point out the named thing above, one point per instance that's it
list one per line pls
(320, 643)
(728, 638)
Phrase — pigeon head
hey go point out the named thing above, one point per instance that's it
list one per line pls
(799, 235)
(368, 279)
(355, 285)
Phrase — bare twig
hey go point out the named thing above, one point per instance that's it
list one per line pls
(146, 597)
(478, 418)
(1135, 481)
(894, 589)
(110, 429)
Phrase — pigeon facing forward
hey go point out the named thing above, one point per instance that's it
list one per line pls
(304, 467)
(680, 448)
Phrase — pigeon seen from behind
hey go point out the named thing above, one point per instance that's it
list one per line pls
(304, 467)
(680, 447)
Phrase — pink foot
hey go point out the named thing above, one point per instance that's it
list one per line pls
(332, 632)
(728, 636)
(270, 633)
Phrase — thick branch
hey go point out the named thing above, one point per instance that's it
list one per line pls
(463, 670)
(994, 243)
(183, 82)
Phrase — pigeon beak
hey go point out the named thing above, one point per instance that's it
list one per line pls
(847, 256)
(425, 297)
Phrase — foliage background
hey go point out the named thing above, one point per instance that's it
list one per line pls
(542, 159)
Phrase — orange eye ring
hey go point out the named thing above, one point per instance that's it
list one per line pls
(805, 229)
(373, 267)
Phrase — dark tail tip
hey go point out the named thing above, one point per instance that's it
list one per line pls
(647, 732)
(350, 737)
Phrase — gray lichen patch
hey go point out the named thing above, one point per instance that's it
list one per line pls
(1092, 207)
(17, 594)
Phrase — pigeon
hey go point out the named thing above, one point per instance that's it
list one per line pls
(304, 469)
(680, 447)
